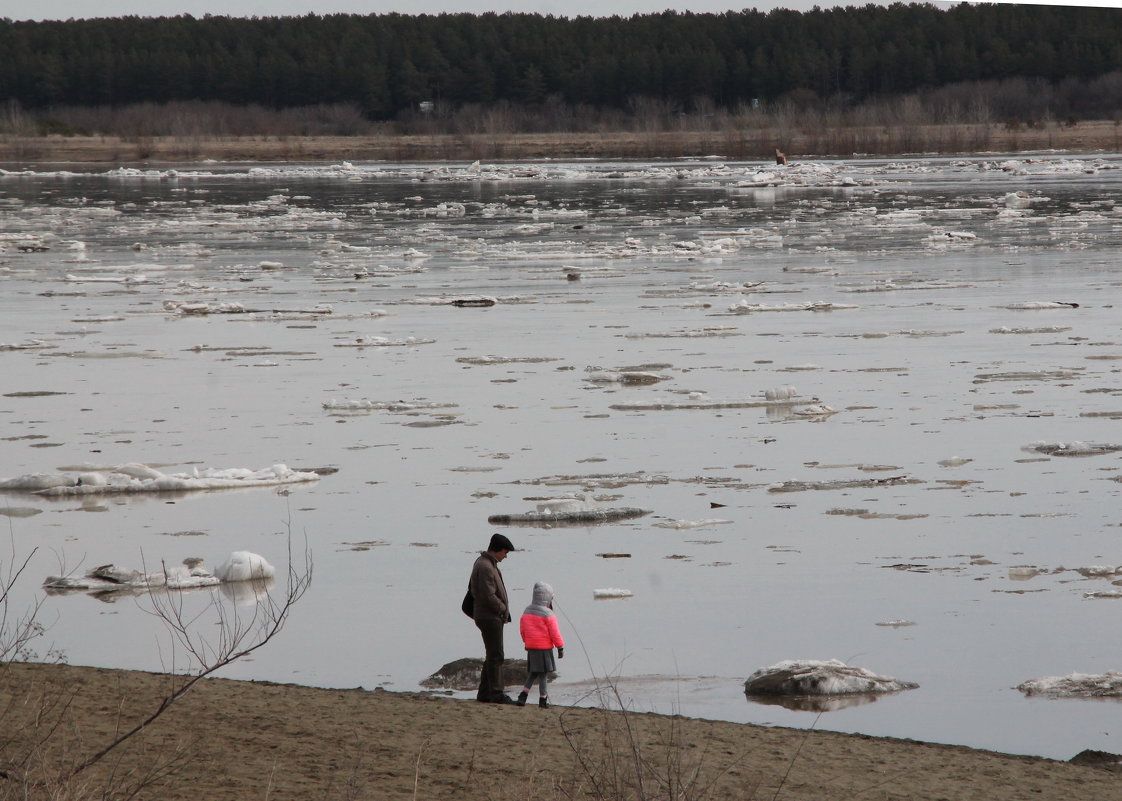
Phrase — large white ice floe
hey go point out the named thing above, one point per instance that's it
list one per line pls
(818, 677)
(191, 574)
(135, 477)
(1075, 685)
(245, 566)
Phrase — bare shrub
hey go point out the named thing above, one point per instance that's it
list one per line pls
(44, 752)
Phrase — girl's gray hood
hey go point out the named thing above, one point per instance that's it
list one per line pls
(543, 597)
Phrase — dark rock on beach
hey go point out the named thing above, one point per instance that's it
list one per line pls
(463, 674)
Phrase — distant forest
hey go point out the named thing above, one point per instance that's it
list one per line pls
(386, 66)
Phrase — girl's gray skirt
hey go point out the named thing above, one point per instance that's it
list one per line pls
(540, 661)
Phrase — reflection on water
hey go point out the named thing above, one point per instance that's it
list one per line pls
(247, 593)
(815, 703)
(973, 318)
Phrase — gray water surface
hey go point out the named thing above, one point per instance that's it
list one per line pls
(949, 397)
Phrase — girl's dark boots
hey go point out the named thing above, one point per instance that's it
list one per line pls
(542, 702)
(521, 698)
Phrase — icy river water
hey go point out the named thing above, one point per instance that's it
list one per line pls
(932, 492)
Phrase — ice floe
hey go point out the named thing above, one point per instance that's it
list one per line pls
(853, 483)
(570, 510)
(245, 566)
(785, 397)
(611, 592)
(1050, 329)
(135, 477)
(384, 342)
(682, 525)
(598, 375)
(1076, 448)
(1037, 305)
(192, 573)
(388, 406)
(1075, 685)
(467, 301)
(820, 677)
(744, 307)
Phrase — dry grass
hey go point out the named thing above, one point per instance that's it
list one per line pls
(747, 144)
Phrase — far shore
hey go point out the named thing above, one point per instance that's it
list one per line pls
(257, 741)
(839, 143)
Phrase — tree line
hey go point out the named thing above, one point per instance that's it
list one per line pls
(389, 64)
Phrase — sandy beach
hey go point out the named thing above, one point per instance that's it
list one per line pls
(256, 740)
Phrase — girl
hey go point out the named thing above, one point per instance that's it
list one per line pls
(540, 633)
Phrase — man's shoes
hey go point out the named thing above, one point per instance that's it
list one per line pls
(544, 703)
(522, 699)
(504, 699)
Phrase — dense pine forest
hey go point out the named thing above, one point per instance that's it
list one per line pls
(388, 65)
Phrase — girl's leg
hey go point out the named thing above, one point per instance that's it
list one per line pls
(543, 679)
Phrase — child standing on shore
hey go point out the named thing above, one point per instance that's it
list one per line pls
(540, 633)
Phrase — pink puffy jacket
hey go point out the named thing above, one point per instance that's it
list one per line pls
(538, 624)
(540, 633)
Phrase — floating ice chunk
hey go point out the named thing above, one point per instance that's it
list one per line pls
(1099, 571)
(681, 525)
(954, 461)
(781, 393)
(384, 342)
(140, 278)
(1103, 594)
(701, 400)
(802, 486)
(270, 265)
(134, 477)
(1072, 448)
(815, 410)
(552, 506)
(896, 624)
(1075, 685)
(181, 307)
(1027, 375)
(31, 344)
(625, 377)
(244, 566)
(92, 480)
(612, 592)
(33, 482)
(1033, 305)
(1017, 200)
(113, 579)
(816, 677)
(460, 300)
(388, 406)
(192, 573)
(489, 360)
(1050, 329)
(744, 307)
(569, 516)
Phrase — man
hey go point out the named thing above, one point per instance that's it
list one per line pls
(491, 613)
